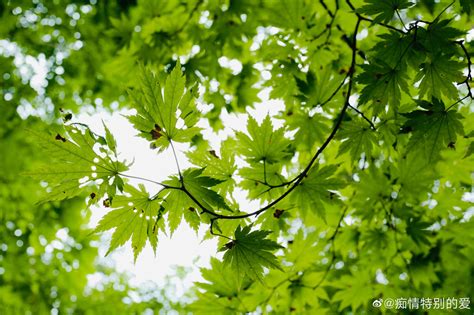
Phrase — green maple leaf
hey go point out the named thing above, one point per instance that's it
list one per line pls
(382, 85)
(396, 49)
(211, 304)
(255, 176)
(417, 230)
(375, 238)
(318, 86)
(358, 138)
(302, 249)
(423, 272)
(221, 280)
(467, 6)
(245, 92)
(287, 14)
(433, 129)
(158, 106)
(355, 290)
(199, 186)
(384, 9)
(221, 167)
(136, 217)
(438, 37)
(470, 150)
(414, 174)
(438, 75)
(310, 129)
(277, 219)
(373, 184)
(179, 205)
(76, 167)
(263, 143)
(250, 252)
(110, 140)
(315, 190)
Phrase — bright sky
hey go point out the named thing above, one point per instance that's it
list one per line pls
(184, 247)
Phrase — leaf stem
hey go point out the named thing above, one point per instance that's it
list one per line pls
(148, 180)
(176, 161)
(363, 116)
(211, 230)
(401, 20)
(363, 18)
(458, 101)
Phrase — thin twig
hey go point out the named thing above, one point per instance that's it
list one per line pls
(335, 91)
(363, 116)
(458, 101)
(148, 180)
(325, 6)
(444, 10)
(176, 161)
(401, 20)
(211, 230)
(363, 18)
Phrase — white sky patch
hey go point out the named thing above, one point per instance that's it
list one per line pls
(184, 248)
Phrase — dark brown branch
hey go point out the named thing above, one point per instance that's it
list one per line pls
(469, 65)
(303, 174)
(325, 6)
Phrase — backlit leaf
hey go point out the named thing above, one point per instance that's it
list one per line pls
(249, 252)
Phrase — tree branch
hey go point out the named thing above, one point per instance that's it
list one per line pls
(303, 174)
(469, 65)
